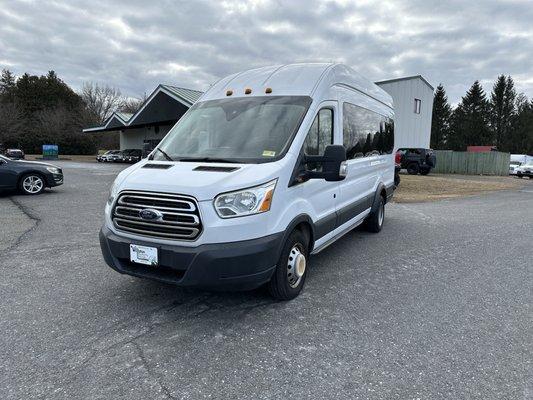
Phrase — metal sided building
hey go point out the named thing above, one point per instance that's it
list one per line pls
(413, 108)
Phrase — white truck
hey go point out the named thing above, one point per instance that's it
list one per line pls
(517, 160)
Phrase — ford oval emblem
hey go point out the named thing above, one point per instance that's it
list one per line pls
(150, 214)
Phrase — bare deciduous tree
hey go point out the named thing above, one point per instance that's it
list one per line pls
(132, 105)
(101, 100)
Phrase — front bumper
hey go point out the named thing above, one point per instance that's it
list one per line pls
(54, 179)
(241, 265)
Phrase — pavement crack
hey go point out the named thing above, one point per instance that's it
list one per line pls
(28, 213)
(150, 371)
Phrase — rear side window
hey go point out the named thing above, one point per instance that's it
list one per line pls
(366, 133)
(320, 134)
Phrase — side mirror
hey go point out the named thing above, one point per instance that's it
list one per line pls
(333, 164)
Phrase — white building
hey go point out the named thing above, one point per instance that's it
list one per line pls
(413, 108)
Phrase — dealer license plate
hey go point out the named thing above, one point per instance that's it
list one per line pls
(143, 255)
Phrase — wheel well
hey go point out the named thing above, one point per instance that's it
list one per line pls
(306, 229)
(383, 194)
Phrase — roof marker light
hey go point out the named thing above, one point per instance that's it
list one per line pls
(247, 91)
(229, 92)
(268, 90)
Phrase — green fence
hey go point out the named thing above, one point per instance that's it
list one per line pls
(462, 162)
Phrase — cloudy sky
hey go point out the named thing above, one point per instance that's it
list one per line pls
(135, 44)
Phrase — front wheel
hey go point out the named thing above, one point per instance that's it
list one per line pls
(32, 184)
(289, 277)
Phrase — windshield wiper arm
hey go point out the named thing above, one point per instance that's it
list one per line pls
(208, 159)
(165, 154)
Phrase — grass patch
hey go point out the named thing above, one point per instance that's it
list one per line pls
(417, 188)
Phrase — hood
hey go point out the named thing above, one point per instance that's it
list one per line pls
(184, 177)
(34, 163)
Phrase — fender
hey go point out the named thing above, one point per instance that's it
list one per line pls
(296, 221)
(375, 204)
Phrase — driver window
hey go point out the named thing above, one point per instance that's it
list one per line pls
(320, 134)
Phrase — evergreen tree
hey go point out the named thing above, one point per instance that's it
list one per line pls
(502, 108)
(470, 121)
(7, 83)
(520, 140)
(441, 119)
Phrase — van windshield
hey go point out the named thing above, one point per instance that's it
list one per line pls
(243, 130)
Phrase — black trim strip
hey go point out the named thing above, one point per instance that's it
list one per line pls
(332, 221)
(325, 225)
(352, 210)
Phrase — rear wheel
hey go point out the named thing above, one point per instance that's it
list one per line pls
(413, 168)
(374, 221)
(32, 184)
(291, 270)
(424, 171)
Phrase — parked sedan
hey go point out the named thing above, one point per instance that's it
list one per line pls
(29, 177)
(15, 154)
(111, 156)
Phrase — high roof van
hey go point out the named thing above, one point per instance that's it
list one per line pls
(270, 166)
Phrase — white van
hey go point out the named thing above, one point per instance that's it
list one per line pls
(269, 166)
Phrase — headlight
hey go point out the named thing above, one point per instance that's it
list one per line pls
(249, 201)
(53, 170)
(112, 193)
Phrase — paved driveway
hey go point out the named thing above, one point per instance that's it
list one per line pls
(438, 305)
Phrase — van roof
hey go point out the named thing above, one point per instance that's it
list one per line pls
(306, 79)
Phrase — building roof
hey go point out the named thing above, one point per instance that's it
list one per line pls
(405, 79)
(119, 120)
(123, 116)
(189, 95)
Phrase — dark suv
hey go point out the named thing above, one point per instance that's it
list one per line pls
(132, 155)
(416, 160)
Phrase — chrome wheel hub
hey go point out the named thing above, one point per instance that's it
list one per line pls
(32, 184)
(296, 266)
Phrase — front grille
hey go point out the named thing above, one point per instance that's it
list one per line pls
(178, 219)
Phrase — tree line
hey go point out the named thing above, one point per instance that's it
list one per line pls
(505, 120)
(37, 110)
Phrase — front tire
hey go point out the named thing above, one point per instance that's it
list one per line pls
(32, 184)
(289, 277)
(374, 222)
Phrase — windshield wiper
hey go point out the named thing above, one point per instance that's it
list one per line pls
(165, 154)
(208, 159)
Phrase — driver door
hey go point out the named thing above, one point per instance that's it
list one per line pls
(322, 195)
(8, 176)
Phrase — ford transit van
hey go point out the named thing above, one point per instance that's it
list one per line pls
(270, 166)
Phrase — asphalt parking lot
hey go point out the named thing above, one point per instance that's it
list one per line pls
(436, 306)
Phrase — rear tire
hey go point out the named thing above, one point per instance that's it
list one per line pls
(289, 277)
(424, 171)
(374, 222)
(413, 168)
(31, 184)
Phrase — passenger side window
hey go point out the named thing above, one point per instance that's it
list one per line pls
(366, 133)
(320, 134)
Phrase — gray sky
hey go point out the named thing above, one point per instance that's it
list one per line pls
(135, 45)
